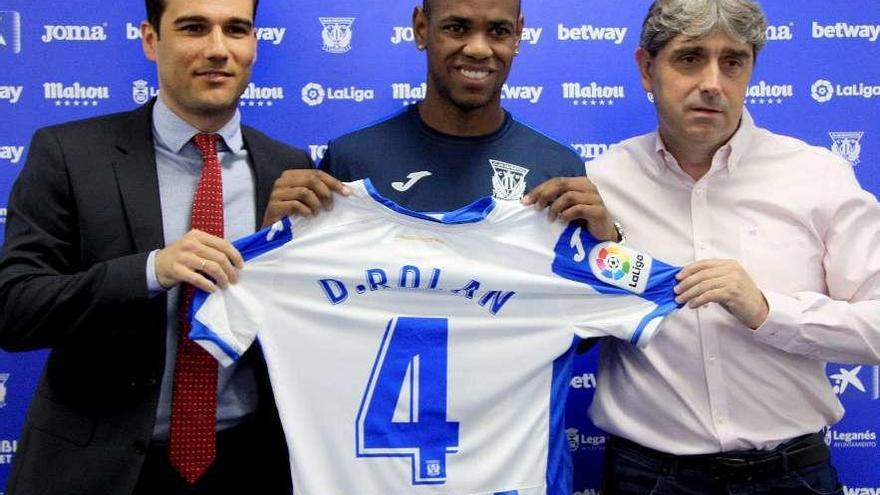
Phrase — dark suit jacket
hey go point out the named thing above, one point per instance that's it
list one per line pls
(82, 218)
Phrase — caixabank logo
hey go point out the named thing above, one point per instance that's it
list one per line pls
(10, 31)
(11, 154)
(592, 94)
(857, 380)
(68, 32)
(75, 94)
(764, 93)
(824, 90)
(314, 94)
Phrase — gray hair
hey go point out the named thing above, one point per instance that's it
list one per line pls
(742, 20)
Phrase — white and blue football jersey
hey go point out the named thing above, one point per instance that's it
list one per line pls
(416, 353)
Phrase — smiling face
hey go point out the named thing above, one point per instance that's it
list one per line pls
(699, 87)
(470, 46)
(204, 56)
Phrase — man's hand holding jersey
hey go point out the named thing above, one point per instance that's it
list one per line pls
(198, 259)
(724, 282)
(574, 198)
(303, 193)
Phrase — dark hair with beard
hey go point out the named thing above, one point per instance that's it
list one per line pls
(426, 6)
(155, 9)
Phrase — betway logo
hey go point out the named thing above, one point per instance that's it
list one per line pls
(869, 32)
(74, 33)
(590, 151)
(860, 491)
(317, 151)
(588, 32)
(11, 153)
(11, 93)
(75, 94)
(401, 34)
(273, 35)
(585, 381)
(530, 93)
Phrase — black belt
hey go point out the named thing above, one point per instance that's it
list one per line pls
(739, 466)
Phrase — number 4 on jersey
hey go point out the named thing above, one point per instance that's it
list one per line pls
(403, 410)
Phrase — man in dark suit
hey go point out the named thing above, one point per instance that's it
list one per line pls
(98, 245)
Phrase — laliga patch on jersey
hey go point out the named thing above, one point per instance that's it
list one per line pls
(621, 266)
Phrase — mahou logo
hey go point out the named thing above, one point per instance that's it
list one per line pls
(592, 94)
(75, 94)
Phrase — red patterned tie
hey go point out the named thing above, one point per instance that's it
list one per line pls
(194, 400)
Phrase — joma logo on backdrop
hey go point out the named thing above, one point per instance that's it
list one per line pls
(782, 32)
(74, 33)
(272, 35)
(405, 34)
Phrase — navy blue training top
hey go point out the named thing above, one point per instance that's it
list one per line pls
(426, 170)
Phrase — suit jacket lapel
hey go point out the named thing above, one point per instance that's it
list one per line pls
(135, 168)
(263, 178)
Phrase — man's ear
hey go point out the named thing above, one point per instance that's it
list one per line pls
(149, 39)
(646, 65)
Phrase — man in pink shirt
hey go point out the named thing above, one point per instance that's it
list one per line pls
(781, 248)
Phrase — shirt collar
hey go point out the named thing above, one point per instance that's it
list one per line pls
(174, 132)
(731, 152)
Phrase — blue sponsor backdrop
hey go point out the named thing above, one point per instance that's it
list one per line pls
(575, 78)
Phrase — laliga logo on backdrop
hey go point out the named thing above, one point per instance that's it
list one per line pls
(336, 33)
(74, 33)
(592, 94)
(846, 145)
(822, 90)
(141, 91)
(75, 94)
(10, 31)
(314, 94)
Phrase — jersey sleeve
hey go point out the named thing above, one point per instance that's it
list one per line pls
(629, 292)
(226, 322)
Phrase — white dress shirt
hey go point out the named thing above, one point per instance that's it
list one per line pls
(809, 236)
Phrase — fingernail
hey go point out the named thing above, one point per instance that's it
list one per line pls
(346, 190)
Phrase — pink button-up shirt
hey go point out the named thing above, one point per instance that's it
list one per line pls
(809, 236)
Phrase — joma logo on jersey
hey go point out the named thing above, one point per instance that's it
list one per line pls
(847, 145)
(869, 32)
(508, 180)
(11, 93)
(405, 34)
(74, 33)
(11, 153)
(528, 93)
(588, 32)
(75, 94)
